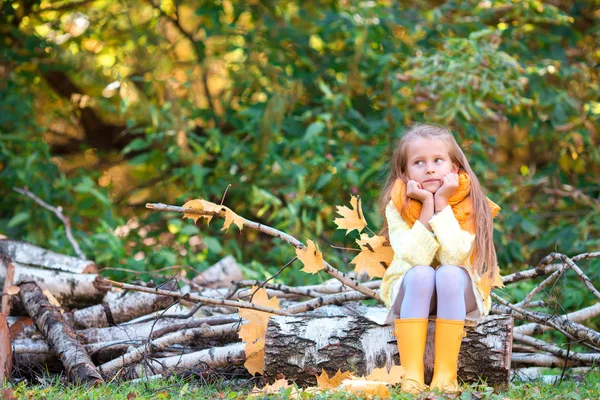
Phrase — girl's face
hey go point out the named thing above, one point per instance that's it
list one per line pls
(428, 161)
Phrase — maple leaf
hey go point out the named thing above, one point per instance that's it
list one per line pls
(203, 205)
(374, 256)
(351, 218)
(392, 377)
(311, 257)
(325, 382)
(488, 281)
(254, 332)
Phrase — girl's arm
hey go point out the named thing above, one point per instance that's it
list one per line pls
(455, 243)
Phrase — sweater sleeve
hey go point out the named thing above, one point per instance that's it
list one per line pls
(416, 245)
(455, 243)
(412, 246)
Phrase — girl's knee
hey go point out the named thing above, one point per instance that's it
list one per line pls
(421, 278)
(450, 279)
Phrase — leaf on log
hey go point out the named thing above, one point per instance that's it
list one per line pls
(253, 333)
(311, 257)
(351, 218)
(325, 382)
(5, 350)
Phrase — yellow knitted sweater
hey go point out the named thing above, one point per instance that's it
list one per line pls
(448, 245)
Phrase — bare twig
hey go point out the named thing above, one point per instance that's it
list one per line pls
(58, 212)
(340, 276)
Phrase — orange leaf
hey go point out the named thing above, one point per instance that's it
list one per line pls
(311, 257)
(231, 217)
(488, 281)
(369, 389)
(374, 257)
(325, 382)
(351, 218)
(253, 333)
(392, 377)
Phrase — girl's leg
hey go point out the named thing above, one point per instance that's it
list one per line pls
(411, 329)
(418, 286)
(454, 298)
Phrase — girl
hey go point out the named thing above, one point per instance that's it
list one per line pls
(439, 224)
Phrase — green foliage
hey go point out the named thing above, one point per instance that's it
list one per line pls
(304, 103)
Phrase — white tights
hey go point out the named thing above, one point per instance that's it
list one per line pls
(451, 284)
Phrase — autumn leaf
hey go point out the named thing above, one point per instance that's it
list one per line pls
(488, 281)
(254, 332)
(207, 206)
(311, 257)
(325, 382)
(374, 257)
(392, 377)
(368, 389)
(351, 218)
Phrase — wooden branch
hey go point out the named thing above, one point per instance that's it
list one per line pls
(184, 336)
(557, 351)
(519, 360)
(577, 317)
(570, 329)
(198, 299)
(48, 319)
(58, 212)
(276, 233)
(215, 357)
(339, 298)
(555, 275)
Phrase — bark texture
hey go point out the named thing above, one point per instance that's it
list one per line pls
(60, 335)
(27, 253)
(300, 346)
(125, 308)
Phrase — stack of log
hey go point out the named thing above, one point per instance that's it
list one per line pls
(64, 317)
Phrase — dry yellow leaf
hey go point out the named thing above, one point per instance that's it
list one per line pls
(369, 389)
(374, 257)
(311, 257)
(276, 387)
(203, 205)
(488, 281)
(392, 377)
(12, 290)
(253, 333)
(325, 382)
(351, 218)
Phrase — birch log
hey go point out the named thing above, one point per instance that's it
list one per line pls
(71, 290)
(27, 253)
(125, 308)
(300, 346)
(59, 334)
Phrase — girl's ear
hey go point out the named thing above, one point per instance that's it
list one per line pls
(455, 168)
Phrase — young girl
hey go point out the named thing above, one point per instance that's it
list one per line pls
(439, 224)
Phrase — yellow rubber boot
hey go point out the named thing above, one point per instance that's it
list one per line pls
(412, 334)
(448, 338)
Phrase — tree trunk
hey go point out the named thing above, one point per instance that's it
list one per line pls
(59, 334)
(300, 346)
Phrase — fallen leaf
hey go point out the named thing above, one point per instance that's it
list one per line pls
(51, 299)
(488, 281)
(12, 290)
(374, 257)
(18, 326)
(131, 396)
(325, 382)
(394, 376)
(366, 388)
(8, 393)
(253, 333)
(311, 257)
(351, 218)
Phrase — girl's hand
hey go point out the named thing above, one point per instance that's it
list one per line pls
(448, 188)
(414, 190)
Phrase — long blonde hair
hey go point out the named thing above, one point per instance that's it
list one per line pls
(485, 259)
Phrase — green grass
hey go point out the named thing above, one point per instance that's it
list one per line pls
(577, 387)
